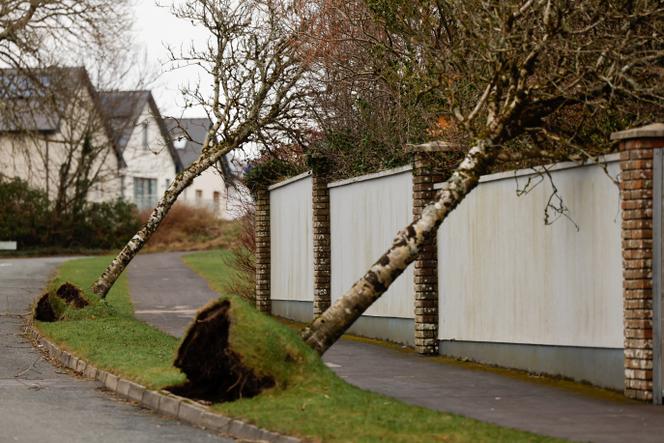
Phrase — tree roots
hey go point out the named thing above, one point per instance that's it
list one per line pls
(214, 371)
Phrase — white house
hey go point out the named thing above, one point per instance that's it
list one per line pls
(55, 136)
(209, 189)
(136, 157)
(144, 142)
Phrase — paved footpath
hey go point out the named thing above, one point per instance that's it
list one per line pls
(167, 292)
(41, 403)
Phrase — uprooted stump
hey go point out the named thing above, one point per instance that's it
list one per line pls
(51, 306)
(72, 296)
(44, 310)
(214, 371)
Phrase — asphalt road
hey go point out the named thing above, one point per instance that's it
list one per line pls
(165, 292)
(41, 403)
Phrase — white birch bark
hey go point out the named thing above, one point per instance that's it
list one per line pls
(326, 329)
(129, 251)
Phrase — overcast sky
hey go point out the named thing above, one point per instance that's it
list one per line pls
(155, 26)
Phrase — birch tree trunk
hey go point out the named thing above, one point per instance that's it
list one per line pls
(129, 251)
(326, 329)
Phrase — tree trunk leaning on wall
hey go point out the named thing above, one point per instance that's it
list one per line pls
(326, 329)
(133, 246)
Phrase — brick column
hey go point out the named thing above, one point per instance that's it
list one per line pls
(321, 223)
(262, 233)
(637, 148)
(426, 265)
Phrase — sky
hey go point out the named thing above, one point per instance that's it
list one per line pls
(155, 27)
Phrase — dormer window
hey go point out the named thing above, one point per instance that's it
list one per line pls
(180, 142)
(145, 135)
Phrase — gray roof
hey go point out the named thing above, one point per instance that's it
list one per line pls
(122, 110)
(28, 115)
(191, 132)
(35, 100)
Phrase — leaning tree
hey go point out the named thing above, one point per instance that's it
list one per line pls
(255, 63)
(520, 80)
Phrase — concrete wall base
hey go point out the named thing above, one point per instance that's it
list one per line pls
(599, 366)
(399, 330)
(302, 311)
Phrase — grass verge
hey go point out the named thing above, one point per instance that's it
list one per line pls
(108, 334)
(309, 400)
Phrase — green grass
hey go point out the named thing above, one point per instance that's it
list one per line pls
(309, 400)
(108, 334)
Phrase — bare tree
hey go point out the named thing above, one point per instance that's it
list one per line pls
(521, 79)
(60, 139)
(255, 64)
(53, 128)
(39, 33)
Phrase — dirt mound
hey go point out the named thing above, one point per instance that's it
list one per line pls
(51, 306)
(44, 310)
(72, 295)
(214, 371)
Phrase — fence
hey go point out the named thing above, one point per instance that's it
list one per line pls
(517, 292)
(291, 234)
(365, 214)
(566, 298)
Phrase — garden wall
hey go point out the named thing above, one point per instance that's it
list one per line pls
(512, 290)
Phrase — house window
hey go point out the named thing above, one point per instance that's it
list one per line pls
(216, 201)
(145, 135)
(180, 142)
(199, 195)
(145, 192)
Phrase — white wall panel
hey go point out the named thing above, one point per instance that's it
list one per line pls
(291, 235)
(505, 276)
(365, 217)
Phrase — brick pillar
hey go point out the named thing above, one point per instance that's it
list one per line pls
(321, 223)
(637, 148)
(426, 265)
(262, 233)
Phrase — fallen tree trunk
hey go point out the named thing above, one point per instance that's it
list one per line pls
(326, 329)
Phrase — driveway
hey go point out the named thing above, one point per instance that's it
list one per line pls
(41, 403)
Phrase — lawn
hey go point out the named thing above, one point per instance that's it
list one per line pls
(309, 400)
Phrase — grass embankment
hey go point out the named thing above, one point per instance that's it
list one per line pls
(108, 334)
(309, 400)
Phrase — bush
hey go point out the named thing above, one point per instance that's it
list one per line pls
(107, 225)
(27, 217)
(24, 213)
(190, 228)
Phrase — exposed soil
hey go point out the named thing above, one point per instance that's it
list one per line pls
(72, 295)
(44, 311)
(214, 371)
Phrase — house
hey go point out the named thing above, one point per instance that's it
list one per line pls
(143, 140)
(54, 135)
(56, 121)
(209, 189)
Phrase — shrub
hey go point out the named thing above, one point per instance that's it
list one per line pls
(108, 225)
(27, 217)
(24, 213)
(243, 261)
(190, 228)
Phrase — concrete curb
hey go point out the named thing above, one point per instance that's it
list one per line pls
(162, 402)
